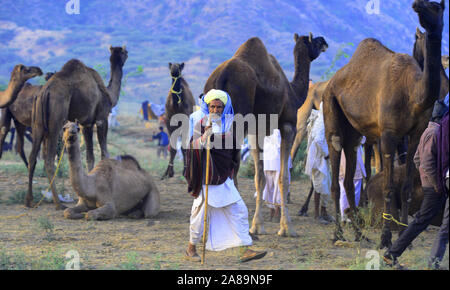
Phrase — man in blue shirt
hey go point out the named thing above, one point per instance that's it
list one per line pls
(163, 141)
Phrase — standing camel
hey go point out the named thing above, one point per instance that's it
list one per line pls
(382, 95)
(312, 101)
(179, 101)
(20, 111)
(257, 85)
(19, 75)
(76, 92)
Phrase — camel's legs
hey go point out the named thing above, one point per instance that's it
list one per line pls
(388, 144)
(368, 152)
(257, 227)
(304, 209)
(76, 211)
(378, 157)
(38, 136)
(151, 205)
(87, 134)
(105, 212)
(169, 171)
(333, 118)
(102, 136)
(351, 144)
(5, 126)
(287, 137)
(407, 186)
(50, 144)
(20, 141)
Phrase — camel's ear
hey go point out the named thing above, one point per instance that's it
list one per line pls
(124, 48)
(418, 32)
(110, 48)
(181, 66)
(310, 37)
(296, 37)
(170, 65)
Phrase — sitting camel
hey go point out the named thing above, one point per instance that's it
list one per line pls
(112, 188)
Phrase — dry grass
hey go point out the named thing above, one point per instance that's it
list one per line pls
(40, 238)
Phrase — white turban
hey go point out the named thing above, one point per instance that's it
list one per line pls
(216, 95)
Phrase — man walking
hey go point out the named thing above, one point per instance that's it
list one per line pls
(425, 160)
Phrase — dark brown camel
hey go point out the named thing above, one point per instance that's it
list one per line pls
(257, 85)
(19, 75)
(179, 101)
(74, 93)
(376, 198)
(20, 111)
(382, 95)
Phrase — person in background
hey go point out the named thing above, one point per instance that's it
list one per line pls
(317, 164)
(163, 142)
(360, 173)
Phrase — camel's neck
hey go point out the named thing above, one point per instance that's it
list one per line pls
(78, 177)
(115, 82)
(176, 92)
(428, 89)
(300, 82)
(8, 96)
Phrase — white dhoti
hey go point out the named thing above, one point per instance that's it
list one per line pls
(228, 225)
(343, 198)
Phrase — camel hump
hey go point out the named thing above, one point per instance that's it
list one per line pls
(71, 68)
(129, 161)
(371, 48)
(253, 46)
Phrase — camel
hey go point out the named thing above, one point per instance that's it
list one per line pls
(257, 84)
(312, 101)
(19, 75)
(113, 187)
(382, 95)
(76, 92)
(20, 111)
(375, 196)
(179, 101)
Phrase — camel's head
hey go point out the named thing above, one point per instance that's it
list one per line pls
(23, 73)
(419, 47)
(119, 55)
(175, 69)
(315, 46)
(445, 61)
(430, 15)
(48, 75)
(71, 130)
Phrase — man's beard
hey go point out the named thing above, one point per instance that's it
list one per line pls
(215, 116)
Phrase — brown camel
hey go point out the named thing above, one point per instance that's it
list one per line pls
(257, 85)
(179, 101)
(20, 111)
(19, 75)
(382, 95)
(375, 196)
(74, 93)
(113, 187)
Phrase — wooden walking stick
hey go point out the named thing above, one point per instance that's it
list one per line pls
(208, 157)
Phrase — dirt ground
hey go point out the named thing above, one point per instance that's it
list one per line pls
(159, 243)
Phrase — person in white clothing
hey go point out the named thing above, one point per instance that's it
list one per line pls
(360, 173)
(317, 164)
(227, 213)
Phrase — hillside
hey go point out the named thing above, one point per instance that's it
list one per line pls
(201, 33)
